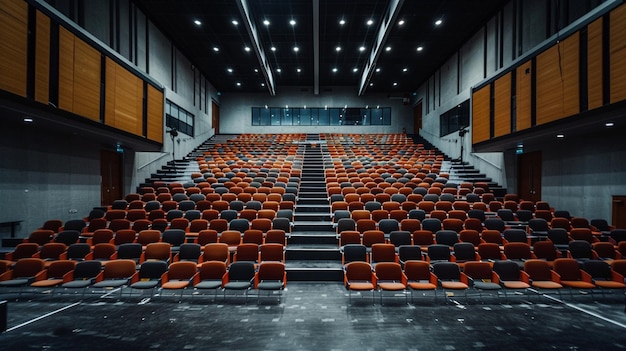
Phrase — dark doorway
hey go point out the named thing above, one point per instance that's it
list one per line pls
(529, 176)
(417, 118)
(215, 112)
(111, 172)
(618, 218)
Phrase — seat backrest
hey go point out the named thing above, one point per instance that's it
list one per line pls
(354, 252)
(515, 235)
(417, 270)
(121, 268)
(538, 270)
(358, 271)
(174, 237)
(478, 270)
(152, 269)
(212, 270)
(388, 271)
(567, 268)
(447, 271)
(215, 252)
(241, 271)
(27, 267)
(517, 251)
(131, 251)
(597, 269)
(507, 270)
(87, 270)
(271, 271)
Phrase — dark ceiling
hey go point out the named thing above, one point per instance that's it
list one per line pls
(217, 45)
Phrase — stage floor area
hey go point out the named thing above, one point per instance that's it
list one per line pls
(314, 316)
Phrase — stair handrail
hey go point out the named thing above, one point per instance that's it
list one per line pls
(163, 154)
(487, 161)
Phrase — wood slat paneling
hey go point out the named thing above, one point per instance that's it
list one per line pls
(558, 81)
(618, 54)
(66, 69)
(155, 114)
(13, 46)
(124, 99)
(481, 114)
(502, 106)
(87, 61)
(523, 83)
(42, 59)
(594, 64)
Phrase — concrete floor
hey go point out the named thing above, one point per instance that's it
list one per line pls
(314, 316)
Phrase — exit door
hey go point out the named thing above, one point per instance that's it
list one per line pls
(111, 175)
(529, 176)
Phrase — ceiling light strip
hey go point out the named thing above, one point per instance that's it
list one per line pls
(244, 9)
(383, 33)
(316, 47)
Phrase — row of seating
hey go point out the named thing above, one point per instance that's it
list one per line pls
(462, 252)
(122, 274)
(535, 276)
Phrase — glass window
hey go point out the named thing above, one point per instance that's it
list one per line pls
(178, 118)
(316, 116)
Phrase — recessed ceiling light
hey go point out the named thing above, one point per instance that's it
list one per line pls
(256, 70)
(292, 22)
(197, 22)
(342, 21)
(335, 70)
(378, 69)
(266, 22)
(263, 84)
(235, 22)
(355, 69)
(405, 69)
(420, 48)
(401, 22)
(296, 49)
(371, 84)
(362, 48)
(273, 48)
(560, 136)
(216, 49)
(298, 70)
(247, 48)
(388, 48)
(230, 70)
(438, 22)
(279, 70)
(338, 48)
(395, 84)
(609, 124)
(238, 84)
(370, 22)
(27, 120)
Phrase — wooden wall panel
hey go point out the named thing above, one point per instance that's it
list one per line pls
(558, 81)
(66, 69)
(124, 99)
(594, 64)
(42, 59)
(155, 114)
(502, 106)
(618, 54)
(523, 81)
(13, 46)
(481, 129)
(87, 62)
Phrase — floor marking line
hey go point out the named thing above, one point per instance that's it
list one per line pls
(110, 292)
(581, 309)
(42, 317)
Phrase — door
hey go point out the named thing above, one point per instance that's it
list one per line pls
(111, 175)
(417, 118)
(618, 218)
(529, 176)
(215, 112)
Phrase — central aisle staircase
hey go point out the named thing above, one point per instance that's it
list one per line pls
(312, 250)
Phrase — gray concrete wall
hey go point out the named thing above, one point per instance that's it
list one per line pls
(577, 176)
(236, 110)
